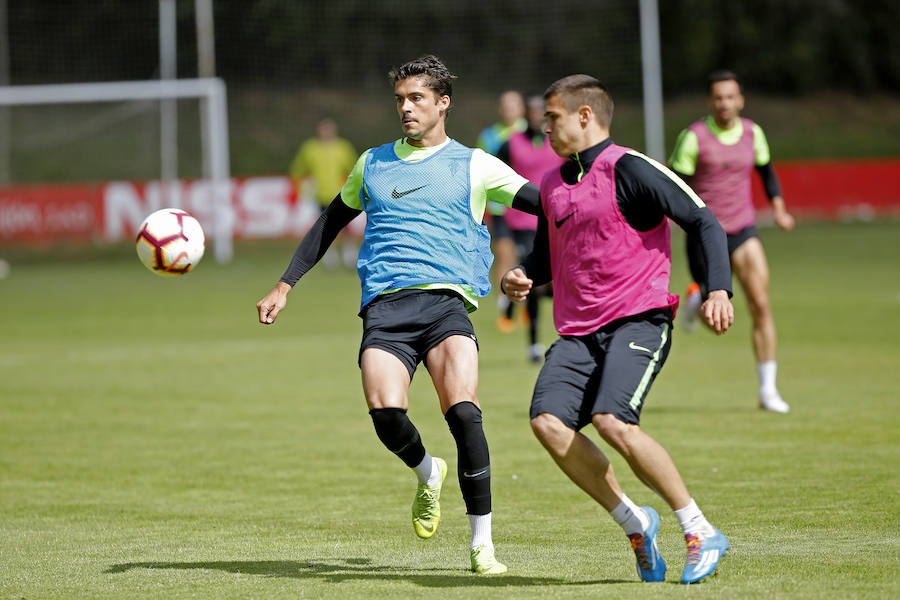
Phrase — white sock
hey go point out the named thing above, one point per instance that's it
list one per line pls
(692, 520)
(766, 371)
(427, 471)
(630, 516)
(481, 531)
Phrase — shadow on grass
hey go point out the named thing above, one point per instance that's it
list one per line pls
(355, 569)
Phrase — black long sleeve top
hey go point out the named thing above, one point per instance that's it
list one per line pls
(646, 193)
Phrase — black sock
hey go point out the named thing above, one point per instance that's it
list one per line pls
(398, 434)
(473, 459)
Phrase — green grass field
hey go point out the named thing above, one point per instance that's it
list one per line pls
(156, 442)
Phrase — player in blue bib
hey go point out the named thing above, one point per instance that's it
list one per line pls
(423, 265)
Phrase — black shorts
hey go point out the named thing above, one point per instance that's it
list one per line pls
(409, 323)
(498, 228)
(608, 371)
(524, 240)
(697, 262)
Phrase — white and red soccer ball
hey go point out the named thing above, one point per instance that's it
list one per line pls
(170, 242)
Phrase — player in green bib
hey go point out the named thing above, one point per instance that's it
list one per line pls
(322, 163)
(423, 266)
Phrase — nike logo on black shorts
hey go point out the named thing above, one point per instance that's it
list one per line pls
(559, 222)
(396, 194)
(634, 346)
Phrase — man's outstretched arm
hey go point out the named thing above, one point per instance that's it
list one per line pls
(310, 250)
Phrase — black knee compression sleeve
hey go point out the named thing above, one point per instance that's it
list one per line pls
(398, 434)
(473, 460)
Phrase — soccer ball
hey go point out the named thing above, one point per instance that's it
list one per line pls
(170, 242)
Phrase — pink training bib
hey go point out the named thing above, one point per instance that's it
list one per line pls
(531, 162)
(603, 269)
(722, 176)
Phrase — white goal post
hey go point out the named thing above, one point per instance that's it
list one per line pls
(214, 115)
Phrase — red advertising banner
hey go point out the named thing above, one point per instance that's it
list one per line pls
(50, 213)
(268, 207)
(833, 189)
(255, 208)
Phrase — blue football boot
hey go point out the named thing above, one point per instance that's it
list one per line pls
(650, 563)
(703, 555)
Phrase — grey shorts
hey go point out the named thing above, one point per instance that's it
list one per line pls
(608, 371)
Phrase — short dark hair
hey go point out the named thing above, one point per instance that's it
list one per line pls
(534, 99)
(580, 90)
(723, 75)
(437, 76)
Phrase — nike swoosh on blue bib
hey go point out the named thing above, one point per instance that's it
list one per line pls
(396, 194)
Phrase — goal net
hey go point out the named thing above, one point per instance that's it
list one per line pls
(287, 65)
(132, 98)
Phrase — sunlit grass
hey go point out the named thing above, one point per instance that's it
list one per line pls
(155, 441)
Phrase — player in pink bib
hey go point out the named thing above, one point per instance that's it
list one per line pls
(603, 238)
(530, 155)
(717, 156)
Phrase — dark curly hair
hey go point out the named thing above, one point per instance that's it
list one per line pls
(437, 76)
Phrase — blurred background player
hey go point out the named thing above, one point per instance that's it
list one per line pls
(319, 169)
(529, 153)
(511, 109)
(716, 156)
